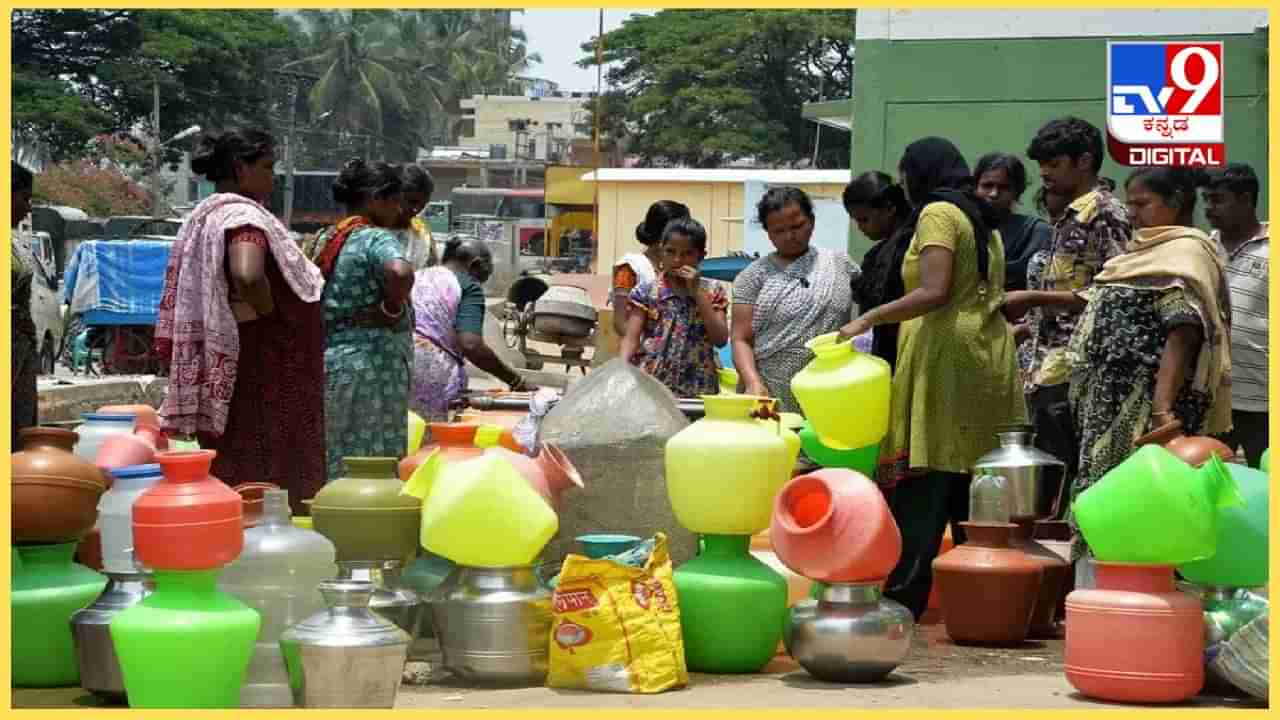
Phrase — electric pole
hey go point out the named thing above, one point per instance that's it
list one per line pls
(155, 147)
(290, 153)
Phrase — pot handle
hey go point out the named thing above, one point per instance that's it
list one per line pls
(1161, 435)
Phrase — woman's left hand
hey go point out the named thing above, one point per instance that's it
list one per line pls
(377, 316)
(855, 327)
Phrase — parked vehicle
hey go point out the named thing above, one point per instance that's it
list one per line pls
(114, 288)
(123, 227)
(46, 302)
(67, 227)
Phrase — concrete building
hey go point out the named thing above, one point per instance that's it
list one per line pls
(987, 79)
(723, 200)
(539, 126)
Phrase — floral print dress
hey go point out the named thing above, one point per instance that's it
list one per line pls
(366, 368)
(1115, 354)
(674, 347)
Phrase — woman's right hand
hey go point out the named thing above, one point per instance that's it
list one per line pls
(757, 388)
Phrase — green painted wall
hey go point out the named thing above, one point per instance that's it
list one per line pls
(987, 95)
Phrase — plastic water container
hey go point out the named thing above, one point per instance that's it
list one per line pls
(277, 574)
(115, 514)
(1243, 537)
(844, 393)
(417, 428)
(481, 512)
(98, 427)
(1154, 509)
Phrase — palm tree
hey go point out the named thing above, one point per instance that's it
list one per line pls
(356, 58)
(459, 53)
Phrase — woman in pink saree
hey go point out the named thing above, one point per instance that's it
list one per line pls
(448, 329)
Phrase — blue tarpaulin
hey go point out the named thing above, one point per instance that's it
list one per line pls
(117, 281)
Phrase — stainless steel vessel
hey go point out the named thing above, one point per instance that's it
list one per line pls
(391, 599)
(347, 656)
(493, 625)
(1035, 478)
(95, 653)
(852, 634)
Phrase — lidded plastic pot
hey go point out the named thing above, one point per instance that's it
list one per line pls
(364, 514)
(115, 514)
(190, 520)
(97, 427)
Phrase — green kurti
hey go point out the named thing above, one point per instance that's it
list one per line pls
(957, 379)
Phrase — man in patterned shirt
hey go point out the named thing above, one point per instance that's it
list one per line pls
(1231, 206)
(1093, 229)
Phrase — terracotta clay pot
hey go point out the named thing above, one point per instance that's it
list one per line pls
(190, 520)
(550, 474)
(988, 587)
(144, 413)
(254, 497)
(136, 448)
(55, 493)
(834, 526)
(456, 441)
(1056, 570)
(1193, 450)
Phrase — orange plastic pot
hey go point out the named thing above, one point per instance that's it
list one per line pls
(145, 413)
(456, 442)
(1135, 638)
(190, 520)
(126, 449)
(834, 526)
(550, 474)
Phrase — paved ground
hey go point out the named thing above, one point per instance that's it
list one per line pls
(937, 674)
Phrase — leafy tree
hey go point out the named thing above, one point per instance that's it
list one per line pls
(81, 73)
(705, 87)
(101, 190)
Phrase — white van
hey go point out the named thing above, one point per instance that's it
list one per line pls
(46, 300)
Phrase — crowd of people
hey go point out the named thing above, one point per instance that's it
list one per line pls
(1097, 321)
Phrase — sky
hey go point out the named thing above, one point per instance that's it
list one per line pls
(557, 35)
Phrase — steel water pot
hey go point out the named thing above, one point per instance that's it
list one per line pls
(346, 656)
(493, 625)
(1035, 478)
(851, 634)
(90, 630)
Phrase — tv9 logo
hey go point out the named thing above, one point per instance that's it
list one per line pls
(1164, 103)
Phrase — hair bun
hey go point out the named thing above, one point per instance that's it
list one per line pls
(354, 163)
(204, 156)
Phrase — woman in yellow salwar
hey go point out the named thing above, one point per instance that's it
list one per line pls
(956, 381)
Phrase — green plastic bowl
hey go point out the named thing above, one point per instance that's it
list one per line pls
(862, 460)
(598, 546)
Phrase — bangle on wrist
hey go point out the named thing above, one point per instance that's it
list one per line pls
(393, 315)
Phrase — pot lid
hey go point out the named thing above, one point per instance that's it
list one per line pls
(370, 484)
(121, 418)
(188, 494)
(135, 471)
(1016, 450)
(348, 619)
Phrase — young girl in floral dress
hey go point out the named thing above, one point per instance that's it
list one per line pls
(679, 320)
